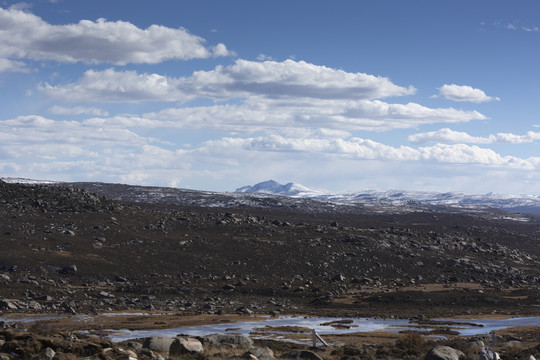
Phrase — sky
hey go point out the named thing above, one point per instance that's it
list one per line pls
(214, 95)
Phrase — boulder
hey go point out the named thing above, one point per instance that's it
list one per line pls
(302, 354)
(47, 353)
(184, 345)
(234, 341)
(261, 353)
(8, 305)
(69, 270)
(136, 346)
(444, 353)
(158, 343)
(477, 345)
(488, 354)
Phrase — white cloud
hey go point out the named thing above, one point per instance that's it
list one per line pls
(464, 93)
(288, 79)
(30, 147)
(289, 117)
(273, 95)
(25, 35)
(24, 133)
(365, 149)
(531, 28)
(449, 136)
(7, 65)
(263, 57)
(118, 86)
(77, 110)
(272, 115)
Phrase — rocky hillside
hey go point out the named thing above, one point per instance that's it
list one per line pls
(66, 249)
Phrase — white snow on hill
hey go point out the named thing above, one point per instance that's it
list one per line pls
(514, 203)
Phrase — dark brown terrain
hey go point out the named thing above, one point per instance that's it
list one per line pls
(67, 250)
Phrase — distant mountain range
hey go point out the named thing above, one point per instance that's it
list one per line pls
(511, 203)
(273, 194)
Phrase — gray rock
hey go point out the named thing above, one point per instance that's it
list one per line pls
(184, 345)
(488, 354)
(244, 310)
(47, 353)
(8, 305)
(444, 353)
(302, 354)
(235, 341)
(262, 353)
(158, 343)
(147, 352)
(134, 345)
(69, 270)
(477, 345)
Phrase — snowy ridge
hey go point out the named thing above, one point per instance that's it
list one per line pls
(12, 180)
(274, 188)
(513, 203)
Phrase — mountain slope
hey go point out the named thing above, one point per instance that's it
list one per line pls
(512, 203)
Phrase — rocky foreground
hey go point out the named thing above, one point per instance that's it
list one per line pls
(68, 251)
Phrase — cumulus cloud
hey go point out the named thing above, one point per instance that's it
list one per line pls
(449, 136)
(244, 78)
(464, 93)
(118, 86)
(25, 35)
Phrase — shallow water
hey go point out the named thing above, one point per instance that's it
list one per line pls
(255, 328)
(483, 326)
(489, 325)
(250, 327)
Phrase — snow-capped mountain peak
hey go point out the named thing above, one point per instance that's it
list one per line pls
(275, 188)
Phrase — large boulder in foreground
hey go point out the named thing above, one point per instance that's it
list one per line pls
(444, 353)
(158, 343)
(185, 345)
(232, 341)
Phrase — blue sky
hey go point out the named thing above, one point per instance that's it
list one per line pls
(214, 95)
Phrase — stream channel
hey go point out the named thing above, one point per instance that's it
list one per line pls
(275, 328)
